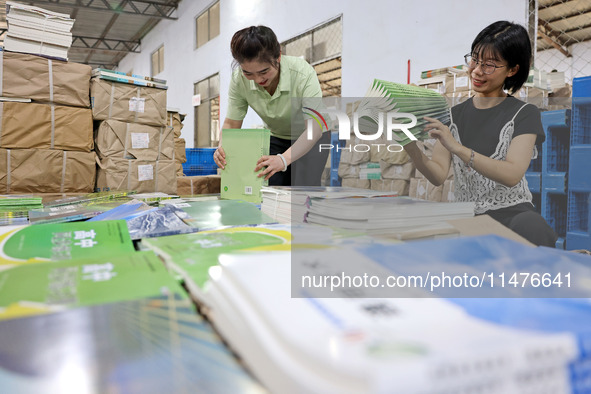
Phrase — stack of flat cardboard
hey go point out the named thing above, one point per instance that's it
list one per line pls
(38, 31)
(135, 145)
(46, 136)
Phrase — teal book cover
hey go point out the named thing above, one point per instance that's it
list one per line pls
(243, 148)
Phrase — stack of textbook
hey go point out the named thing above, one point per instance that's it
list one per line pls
(401, 217)
(14, 209)
(38, 31)
(290, 204)
(297, 336)
(133, 79)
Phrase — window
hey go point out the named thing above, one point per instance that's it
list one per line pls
(207, 25)
(321, 47)
(207, 114)
(158, 61)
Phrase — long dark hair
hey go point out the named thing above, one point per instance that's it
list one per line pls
(255, 43)
(511, 42)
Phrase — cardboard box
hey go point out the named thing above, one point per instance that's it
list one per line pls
(425, 190)
(28, 76)
(46, 171)
(179, 169)
(458, 82)
(139, 175)
(190, 185)
(387, 151)
(355, 182)
(127, 103)
(134, 141)
(348, 170)
(180, 154)
(397, 171)
(349, 155)
(175, 120)
(45, 126)
(447, 194)
(400, 186)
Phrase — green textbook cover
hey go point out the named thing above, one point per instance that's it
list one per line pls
(191, 255)
(43, 288)
(243, 148)
(211, 214)
(63, 241)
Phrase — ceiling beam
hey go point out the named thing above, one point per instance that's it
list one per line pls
(106, 44)
(153, 9)
(554, 3)
(571, 14)
(552, 37)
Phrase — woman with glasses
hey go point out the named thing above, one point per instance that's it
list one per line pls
(492, 136)
(277, 88)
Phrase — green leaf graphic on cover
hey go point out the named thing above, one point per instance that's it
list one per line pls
(62, 241)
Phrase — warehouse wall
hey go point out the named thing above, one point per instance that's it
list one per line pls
(379, 37)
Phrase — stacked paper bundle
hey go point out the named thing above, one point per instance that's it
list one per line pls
(38, 31)
(135, 145)
(399, 217)
(46, 143)
(384, 97)
(175, 120)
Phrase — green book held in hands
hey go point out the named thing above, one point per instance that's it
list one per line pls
(243, 148)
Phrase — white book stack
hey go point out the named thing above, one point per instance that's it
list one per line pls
(289, 204)
(38, 31)
(398, 217)
(372, 345)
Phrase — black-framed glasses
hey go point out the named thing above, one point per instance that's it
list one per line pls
(486, 67)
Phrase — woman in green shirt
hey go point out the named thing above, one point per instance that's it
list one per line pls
(277, 88)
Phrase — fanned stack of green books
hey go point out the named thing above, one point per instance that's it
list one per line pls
(14, 209)
(383, 97)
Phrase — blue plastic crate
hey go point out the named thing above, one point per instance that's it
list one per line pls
(534, 181)
(579, 176)
(554, 210)
(335, 153)
(581, 122)
(200, 156)
(582, 87)
(535, 165)
(199, 170)
(578, 235)
(555, 158)
(335, 180)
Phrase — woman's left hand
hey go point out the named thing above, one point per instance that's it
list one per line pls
(441, 132)
(272, 163)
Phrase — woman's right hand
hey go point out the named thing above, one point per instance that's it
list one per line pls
(219, 157)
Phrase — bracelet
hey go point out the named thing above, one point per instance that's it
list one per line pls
(284, 162)
(471, 162)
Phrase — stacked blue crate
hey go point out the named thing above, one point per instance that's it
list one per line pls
(335, 158)
(200, 162)
(555, 161)
(533, 175)
(578, 234)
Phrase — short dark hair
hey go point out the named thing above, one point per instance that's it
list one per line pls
(255, 43)
(511, 42)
